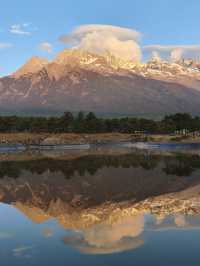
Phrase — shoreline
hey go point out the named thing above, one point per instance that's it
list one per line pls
(42, 139)
(49, 139)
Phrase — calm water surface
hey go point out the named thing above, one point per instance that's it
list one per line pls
(84, 207)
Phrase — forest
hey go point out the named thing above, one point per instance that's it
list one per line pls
(90, 123)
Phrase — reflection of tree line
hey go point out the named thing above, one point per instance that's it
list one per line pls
(179, 164)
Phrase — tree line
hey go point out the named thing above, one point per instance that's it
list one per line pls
(90, 123)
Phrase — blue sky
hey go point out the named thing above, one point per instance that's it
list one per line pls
(169, 22)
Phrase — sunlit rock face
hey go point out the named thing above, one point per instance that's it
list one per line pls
(101, 83)
(33, 65)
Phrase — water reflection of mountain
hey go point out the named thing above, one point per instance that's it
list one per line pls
(72, 187)
(105, 201)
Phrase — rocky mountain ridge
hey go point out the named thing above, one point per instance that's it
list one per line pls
(78, 80)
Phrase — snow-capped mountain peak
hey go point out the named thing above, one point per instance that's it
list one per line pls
(79, 80)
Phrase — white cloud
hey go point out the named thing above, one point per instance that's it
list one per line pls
(5, 235)
(174, 52)
(5, 45)
(180, 220)
(46, 47)
(20, 29)
(48, 232)
(121, 42)
(155, 55)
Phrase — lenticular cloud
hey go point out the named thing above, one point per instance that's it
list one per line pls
(121, 42)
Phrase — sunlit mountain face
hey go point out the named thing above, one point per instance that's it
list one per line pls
(104, 83)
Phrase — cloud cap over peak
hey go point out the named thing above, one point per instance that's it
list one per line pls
(121, 42)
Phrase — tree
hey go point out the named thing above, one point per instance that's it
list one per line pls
(80, 116)
(67, 121)
(90, 116)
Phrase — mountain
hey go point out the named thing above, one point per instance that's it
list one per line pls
(33, 65)
(78, 80)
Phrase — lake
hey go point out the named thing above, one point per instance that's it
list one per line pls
(108, 205)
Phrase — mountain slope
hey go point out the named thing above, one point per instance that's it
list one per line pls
(32, 66)
(78, 80)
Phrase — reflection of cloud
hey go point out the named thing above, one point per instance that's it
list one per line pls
(4, 235)
(48, 232)
(126, 243)
(108, 234)
(106, 238)
(179, 220)
(169, 222)
(122, 245)
(121, 42)
(22, 251)
(159, 219)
